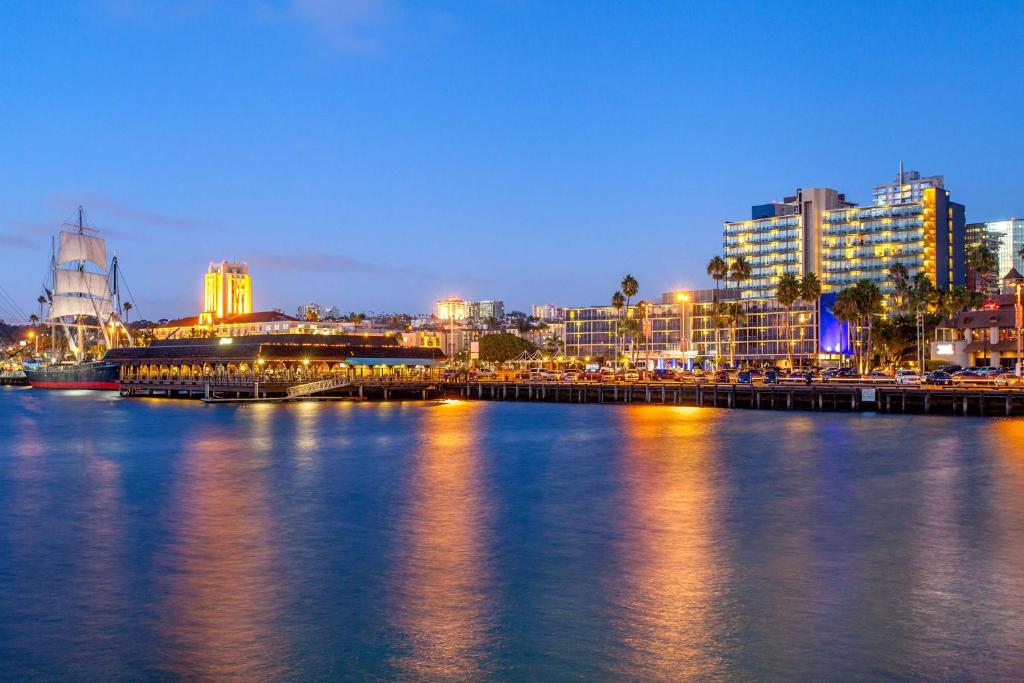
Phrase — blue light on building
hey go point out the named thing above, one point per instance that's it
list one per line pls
(833, 333)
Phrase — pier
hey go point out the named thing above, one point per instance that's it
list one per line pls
(827, 397)
(16, 379)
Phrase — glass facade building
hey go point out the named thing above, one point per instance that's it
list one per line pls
(1004, 238)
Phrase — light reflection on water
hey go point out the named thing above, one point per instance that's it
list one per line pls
(465, 540)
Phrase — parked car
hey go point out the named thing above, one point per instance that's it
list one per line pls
(938, 378)
(744, 377)
(907, 377)
(721, 377)
(571, 376)
(771, 376)
(631, 376)
(833, 374)
(878, 376)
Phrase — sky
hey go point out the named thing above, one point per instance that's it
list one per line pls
(377, 155)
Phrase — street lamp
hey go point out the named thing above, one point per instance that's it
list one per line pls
(1019, 310)
(802, 318)
(684, 322)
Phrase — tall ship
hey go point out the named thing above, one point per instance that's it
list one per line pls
(83, 299)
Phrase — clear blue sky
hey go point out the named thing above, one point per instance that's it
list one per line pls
(378, 154)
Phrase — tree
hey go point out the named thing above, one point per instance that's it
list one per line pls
(846, 310)
(788, 292)
(631, 327)
(810, 293)
(869, 302)
(618, 301)
(503, 347)
(733, 316)
(127, 307)
(718, 269)
(982, 261)
(630, 287)
(553, 345)
(901, 285)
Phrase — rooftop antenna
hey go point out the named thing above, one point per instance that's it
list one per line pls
(901, 173)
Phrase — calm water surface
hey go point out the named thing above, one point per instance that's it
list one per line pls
(156, 539)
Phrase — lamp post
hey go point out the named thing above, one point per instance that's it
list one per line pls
(684, 322)
(803, 329)
(1019, 310)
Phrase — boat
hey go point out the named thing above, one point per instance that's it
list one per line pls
(86, 375)
(84, 302)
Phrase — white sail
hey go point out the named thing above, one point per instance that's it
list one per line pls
(76, 305)
(79, 282)
(78, 247)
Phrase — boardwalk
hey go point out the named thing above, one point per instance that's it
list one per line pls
(818, 397)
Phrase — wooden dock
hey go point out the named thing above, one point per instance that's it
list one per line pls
(825, 397)
(829, 397)
(14, 379)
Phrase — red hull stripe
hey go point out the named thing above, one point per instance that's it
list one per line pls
(112, 386)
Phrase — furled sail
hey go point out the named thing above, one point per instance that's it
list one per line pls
(79, 282)
(76, 305)
(78, 247)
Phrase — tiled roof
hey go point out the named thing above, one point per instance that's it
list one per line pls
(240, 319)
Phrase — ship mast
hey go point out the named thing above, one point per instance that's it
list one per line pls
(79, 293)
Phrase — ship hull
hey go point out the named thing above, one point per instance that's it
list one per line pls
(101, 376)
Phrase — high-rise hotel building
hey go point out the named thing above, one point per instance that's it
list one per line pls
(817, 230)
(912, 222)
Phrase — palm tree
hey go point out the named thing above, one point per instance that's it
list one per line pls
(810, 293)
(869, 298)
(618, 301)
(553, 345)
(718, 321)
(718, 269)
(982, 261)
(788, 293)
(739, 272)
(734, 315)
(630, 287)
(632, 327)
(846, 309)
(901, 285)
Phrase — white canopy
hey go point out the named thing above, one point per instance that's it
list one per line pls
(76, 305)
(78, 282)
(77, 247)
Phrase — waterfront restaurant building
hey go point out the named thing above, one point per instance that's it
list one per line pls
(277, 359)
(984, 337)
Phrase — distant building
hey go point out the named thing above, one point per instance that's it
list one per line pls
(227, 291)
(547, 312)
(907, 188)
(454, 308)
(490, 309)
(310, 311)
(1003, 238)
(227, 304)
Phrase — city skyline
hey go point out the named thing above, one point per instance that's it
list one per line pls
(472, 188)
